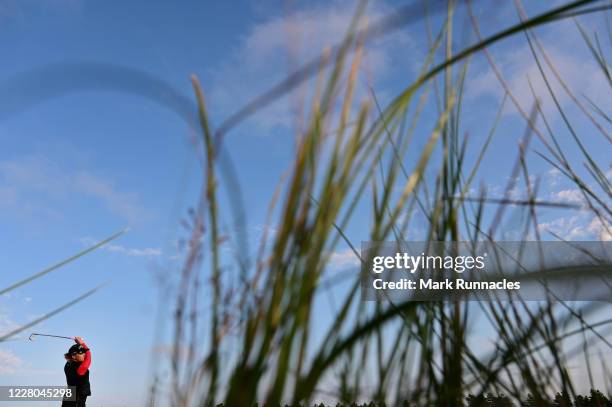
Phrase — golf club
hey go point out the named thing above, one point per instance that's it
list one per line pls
(52, 336)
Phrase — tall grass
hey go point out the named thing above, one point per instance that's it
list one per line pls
(262, 340)
(32, 278)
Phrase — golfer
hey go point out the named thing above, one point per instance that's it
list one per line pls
(78, 360)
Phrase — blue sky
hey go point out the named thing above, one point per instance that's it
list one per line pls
(81, 159)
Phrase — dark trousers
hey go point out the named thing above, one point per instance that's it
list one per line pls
(80, 402)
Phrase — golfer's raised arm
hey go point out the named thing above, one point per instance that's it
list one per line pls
(84, 366)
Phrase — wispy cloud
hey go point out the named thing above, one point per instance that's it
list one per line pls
(31, 184)
(146, 252)
(579, 223)
(9, 363)
(134, 252)
(6, 324)
(343, 259)
(581, 226)
(578, 70)
(572, 195)
(306, 32)
(601, 228)
(274, 47)
(124, 204)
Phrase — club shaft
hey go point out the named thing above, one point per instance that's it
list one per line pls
(53, 336)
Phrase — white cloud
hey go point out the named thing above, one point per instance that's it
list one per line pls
(601, 228)
(553, 177)
(134, 252)
(121, 203)
(307, 32)
(274, 47)
(582, 226)
(26, 182)
(147, 251)
(6, 324)
(35, 173)
(567, 227)
(572, 195)
(9, 363)
(579, 71)
(343, 259)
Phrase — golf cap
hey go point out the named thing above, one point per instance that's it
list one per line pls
(74, 349)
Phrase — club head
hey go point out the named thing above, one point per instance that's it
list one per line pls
(31, 337)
